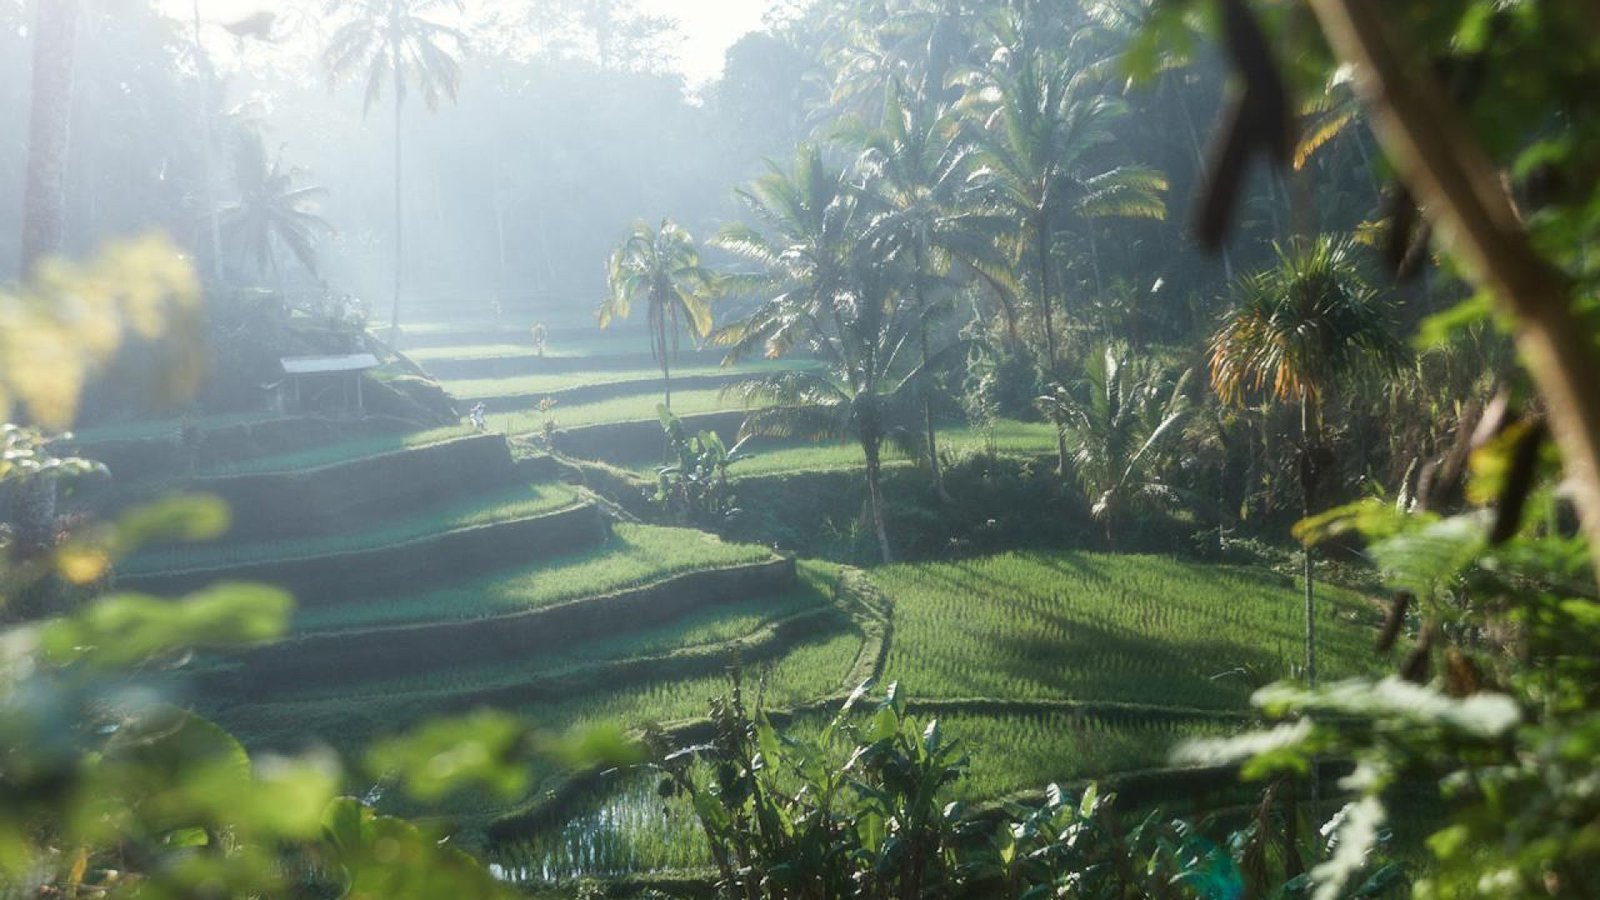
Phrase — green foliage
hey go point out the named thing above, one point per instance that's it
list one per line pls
(694, 488)
(1120, 422)
(1296, 326)
(1503, 740)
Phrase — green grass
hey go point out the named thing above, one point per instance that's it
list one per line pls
(343, 451)
(773, 458)
(556, 347)
(1095, 626)
(635, 555)
(167, 427)
(534, 386)
(629, 408)
(705, 628)
(500, 505)
(813, 668)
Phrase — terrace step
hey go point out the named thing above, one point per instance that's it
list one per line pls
(621, 443)
(432, 560)
(165, 456)
(489, 333)
(335, 498)
(531, 364)
(769, 641)
(407, 649)
(607, 390)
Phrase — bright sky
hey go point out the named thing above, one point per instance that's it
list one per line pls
(708, 27)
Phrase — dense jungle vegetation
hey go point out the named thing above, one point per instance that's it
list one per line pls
(909, 449)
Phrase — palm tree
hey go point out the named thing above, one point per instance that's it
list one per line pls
(662, 269)
(395, 41)
(1294, 329)
(1119, 421)
(271, 212)
(922, 213)
(822, 287)
(1041, 125)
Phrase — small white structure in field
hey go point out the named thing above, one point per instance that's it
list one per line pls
(308, 379)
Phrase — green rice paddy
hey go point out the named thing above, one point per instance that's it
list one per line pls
(649, 378)
(338, 452)
(501, 505)
(1110, 627)
(634, 556)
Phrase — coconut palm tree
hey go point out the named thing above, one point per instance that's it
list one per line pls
(1119, 420)
(1293, 331)
(1040, 127)
(396, 41)
(661, 268)
(821, 286)
(272, 213)
(922, 213)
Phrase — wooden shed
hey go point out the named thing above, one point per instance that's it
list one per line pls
(311, 382)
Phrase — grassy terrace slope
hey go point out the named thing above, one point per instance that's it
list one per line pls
(1107, 627)
(635, 555)
(632, 675)
(645, 378)
(496, 506)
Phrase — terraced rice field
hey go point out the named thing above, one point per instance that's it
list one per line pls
(635, 555)
(337, 452)
(497, 506)
(1048, 666)
(1113, 627)
(536, 386)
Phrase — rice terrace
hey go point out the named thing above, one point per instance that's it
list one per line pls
(885, 449)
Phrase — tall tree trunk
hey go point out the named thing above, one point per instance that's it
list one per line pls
(49, 128)
(927, 396)
(1455, 183)
(1200, 165)
(399, 224)
(1308, 480)
(1042, 247)
(207, 149)
(871, 445)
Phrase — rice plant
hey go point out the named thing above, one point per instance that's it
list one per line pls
(633, 556)
(1094, 626)
(499, 505)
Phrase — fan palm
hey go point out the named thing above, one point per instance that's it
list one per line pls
(395, 41)
(1294, 329)
(821, 286)
(661, 268)
(1119, 421)
(271, 212)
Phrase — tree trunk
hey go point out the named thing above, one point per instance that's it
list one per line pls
(1042, 247)
(1456, 186)
(1200, 166)
(399, 225)
(927, 396)
(49, 128)
(207, 149)
(1308, 480)
(871, 445)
